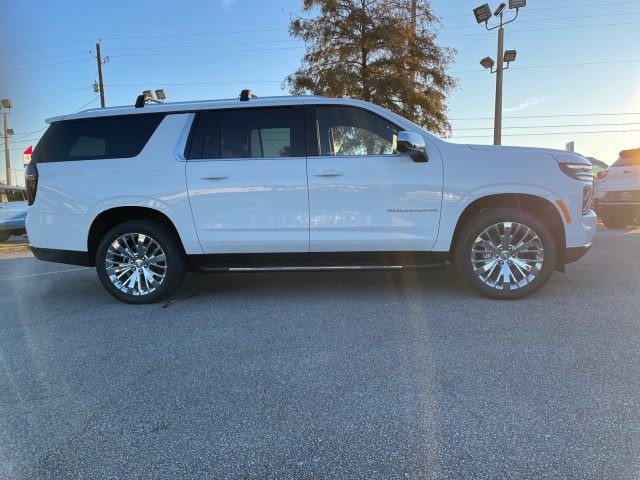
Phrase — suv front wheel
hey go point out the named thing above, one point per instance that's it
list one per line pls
(140, 262)
(505, 253)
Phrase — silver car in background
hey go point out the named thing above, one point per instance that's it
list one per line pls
(13, 211)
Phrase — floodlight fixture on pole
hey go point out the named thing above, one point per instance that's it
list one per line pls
(488, 63)
(10, 132)
(483, 14)
(500, 8)
(6, 103)
(509, 56)
(161, 94)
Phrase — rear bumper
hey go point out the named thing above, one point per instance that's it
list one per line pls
(630, 209)
(70, 257)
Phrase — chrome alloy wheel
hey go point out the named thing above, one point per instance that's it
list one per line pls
(136, 264)
(507, 256)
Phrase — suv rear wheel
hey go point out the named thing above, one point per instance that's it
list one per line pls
(505, 253)
(140, 262)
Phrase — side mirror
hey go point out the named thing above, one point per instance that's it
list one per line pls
(413, 145)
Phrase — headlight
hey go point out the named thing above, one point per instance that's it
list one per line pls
(583, 173)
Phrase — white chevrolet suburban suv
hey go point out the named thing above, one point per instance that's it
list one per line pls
(146, 193)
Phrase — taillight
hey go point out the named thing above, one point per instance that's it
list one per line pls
(31, 182)
(602, 174)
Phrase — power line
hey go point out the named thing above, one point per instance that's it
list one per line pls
(550, 116)
(22, 135)
(553, 19)
(207, 53)
(201, 45)
(43, 59)
(230, 32)
(543, 29)
(47, 65)
(556, 8)
(554, 65)
(198, 34)
(50, 93)
(242, 82)
(550, 133)
(554, 126)
(85, 105)
(45, 48)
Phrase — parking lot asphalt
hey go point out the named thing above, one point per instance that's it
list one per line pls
(359, 374)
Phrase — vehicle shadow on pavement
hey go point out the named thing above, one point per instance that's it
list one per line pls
(324, 282)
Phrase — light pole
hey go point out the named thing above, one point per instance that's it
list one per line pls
(483, 14)
(7, 104)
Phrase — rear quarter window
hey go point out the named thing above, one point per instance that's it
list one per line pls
(96, 138)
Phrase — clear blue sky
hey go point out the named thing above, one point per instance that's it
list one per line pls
(578, 65)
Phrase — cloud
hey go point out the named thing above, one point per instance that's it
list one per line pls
(530, 102)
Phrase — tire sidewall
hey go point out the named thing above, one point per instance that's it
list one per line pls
(472, 230)
(614, 220)
(176, 265)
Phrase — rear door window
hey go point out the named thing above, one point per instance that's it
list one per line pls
(249, 133)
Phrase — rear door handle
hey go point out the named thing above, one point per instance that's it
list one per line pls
(215, 176)
(328, 173)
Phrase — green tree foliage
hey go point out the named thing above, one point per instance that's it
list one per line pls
(368, 49)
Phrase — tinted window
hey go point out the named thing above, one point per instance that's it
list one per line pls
(96, 138)
(15, 195)
(351, 131)
(248, 133)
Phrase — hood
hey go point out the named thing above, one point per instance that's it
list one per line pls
(561, 156)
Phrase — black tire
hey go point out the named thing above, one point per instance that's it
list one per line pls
(614, 220)
(136, 279)
(527, 265)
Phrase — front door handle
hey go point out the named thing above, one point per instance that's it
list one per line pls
(215, 176)
(328, 173)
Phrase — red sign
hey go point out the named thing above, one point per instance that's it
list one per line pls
(27, 155)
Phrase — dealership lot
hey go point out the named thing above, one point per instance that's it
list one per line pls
(357, 374)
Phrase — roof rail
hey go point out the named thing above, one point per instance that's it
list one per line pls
(245, 95)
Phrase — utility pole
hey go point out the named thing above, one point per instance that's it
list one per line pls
(8, 105)
(7, 158)
(497, 122)
(100, 82)
(483, 14)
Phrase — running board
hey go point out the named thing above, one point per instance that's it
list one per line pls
(317, 261)
(338, 268)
